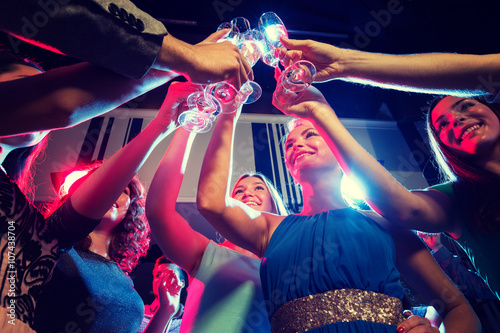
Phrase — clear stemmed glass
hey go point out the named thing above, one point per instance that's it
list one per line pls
(247, 41)
(232, 35)
(250, 47)
(295, 79)
(241, 23)
(273, 29)
(202, 110)
(249, 44)
(226, 94)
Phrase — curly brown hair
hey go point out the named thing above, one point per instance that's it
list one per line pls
(131, 237)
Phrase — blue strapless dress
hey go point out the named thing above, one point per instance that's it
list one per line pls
(332, 250)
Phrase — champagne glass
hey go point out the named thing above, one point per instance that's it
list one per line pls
(226, 94)
(241, 23)
(202, 110)
(232, 35)
(249, 46)
(272, 28)
(250, 91)
(268, 54)
(294, 80)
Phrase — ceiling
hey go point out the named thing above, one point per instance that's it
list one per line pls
(394, 26)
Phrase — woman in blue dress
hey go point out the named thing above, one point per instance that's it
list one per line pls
(328, 268)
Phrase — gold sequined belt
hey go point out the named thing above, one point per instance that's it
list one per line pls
(335, 306)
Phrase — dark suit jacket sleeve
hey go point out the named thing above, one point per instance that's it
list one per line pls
(111, 33)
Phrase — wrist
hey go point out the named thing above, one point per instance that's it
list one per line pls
(321, 114)
(166, 310)
(347, 63)
(162, 125)
(173, 55)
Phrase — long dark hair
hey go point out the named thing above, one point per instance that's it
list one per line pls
(476, 189)
(131, 237)
(20, 163)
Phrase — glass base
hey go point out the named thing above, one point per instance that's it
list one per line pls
(196, 122)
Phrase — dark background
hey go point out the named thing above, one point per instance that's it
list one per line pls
(395, 26)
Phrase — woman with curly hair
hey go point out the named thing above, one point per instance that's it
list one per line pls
(129, 240)
(34, 102)
(90, 290)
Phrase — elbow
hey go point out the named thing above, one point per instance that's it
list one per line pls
(209, 207)
(71, 107)
(204, 205)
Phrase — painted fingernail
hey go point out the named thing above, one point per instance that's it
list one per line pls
(400, 329)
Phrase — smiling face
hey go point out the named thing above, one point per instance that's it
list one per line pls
(465, 126)
(306, 150)
(253, 192)
(115, 215)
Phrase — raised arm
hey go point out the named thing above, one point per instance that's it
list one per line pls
(234, 220)
(98, 192)
(424, 210)
(67, 96)
(118, 36)
(204, 62)
(435, 73)
(178, 241)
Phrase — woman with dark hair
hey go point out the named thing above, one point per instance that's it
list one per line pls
(38, 102)
(129, 240)
(464, 134)
(225, 293)
(329, 268)
(90, 289)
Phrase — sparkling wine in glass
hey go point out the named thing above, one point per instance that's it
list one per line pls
(273, 29)
(248, 41)
(250, 47)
